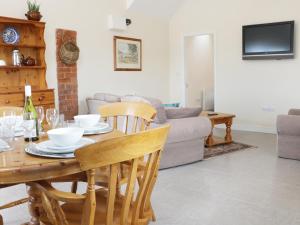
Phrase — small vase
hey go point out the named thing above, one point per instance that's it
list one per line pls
(35, 16)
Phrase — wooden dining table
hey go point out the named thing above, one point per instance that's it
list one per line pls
(18, 167)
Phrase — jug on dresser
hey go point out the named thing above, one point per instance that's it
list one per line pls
(16, 58)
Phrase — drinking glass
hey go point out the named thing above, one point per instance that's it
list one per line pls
(9, 122)
(61, 120)
(28, 125)
(71, 123)
(52, 117)
(40, 116)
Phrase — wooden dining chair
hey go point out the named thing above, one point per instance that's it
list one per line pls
(128, 117)
(104, 206)
(19, 111)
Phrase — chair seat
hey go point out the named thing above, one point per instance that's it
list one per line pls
(73, 211)
(102, 175)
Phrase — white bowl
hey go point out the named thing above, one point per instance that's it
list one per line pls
(86, 121)
(65, 136)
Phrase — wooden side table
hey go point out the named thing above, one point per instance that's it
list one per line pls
(219, 118)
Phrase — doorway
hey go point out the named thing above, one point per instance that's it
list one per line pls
(199, 71)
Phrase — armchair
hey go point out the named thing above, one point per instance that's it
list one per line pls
(288, 135)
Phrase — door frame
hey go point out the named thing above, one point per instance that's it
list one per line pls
(213, 34)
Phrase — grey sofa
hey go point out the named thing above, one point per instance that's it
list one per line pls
(288, 135)
(185, 143)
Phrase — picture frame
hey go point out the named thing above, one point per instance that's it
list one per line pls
(127, 54)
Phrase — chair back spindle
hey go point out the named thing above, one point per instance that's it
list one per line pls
(129, 117)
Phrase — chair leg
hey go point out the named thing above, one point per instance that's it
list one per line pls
(1, 220)
(153, 214)
(153, 217)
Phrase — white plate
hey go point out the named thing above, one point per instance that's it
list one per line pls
(34, 151)
(50, 148)
(97, 127)
(100, 131)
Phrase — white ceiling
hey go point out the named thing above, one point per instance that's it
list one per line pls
(157, 8)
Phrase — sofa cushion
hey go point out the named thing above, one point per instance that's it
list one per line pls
(177, 113)
(172, 105)
(187, 129)
(156, 103)
(295, 112)
(107, 97)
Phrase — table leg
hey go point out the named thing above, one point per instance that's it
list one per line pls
(33, 205)
(1, 220)
(228, 137)
(210, 139)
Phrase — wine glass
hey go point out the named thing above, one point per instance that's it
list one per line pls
(52, 117)
(40, 116)
(4, 146)
(61, 120)
(28, 125)
(9, 122)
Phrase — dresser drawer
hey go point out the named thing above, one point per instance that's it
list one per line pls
(16, 99)
(43, 97)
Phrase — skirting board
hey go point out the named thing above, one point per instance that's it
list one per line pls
(252, 128)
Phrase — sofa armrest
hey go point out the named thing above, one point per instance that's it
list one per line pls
(288, 125)
(179, 113)
(94, 104)
(295, 112)
(205, 125)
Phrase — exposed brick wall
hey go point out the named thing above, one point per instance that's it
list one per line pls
(66, 78)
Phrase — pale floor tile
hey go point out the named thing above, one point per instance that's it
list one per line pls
(251, 187)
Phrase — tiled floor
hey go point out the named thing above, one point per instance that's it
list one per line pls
(251, 187)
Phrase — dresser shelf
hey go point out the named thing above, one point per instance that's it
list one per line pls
(21, 67)
(21, 45)
(10, 21)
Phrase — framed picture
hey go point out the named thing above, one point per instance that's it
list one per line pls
(127, 54)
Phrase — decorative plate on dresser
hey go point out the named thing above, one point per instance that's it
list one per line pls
(10, 35)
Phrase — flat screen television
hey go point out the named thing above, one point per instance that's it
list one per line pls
(269, 40)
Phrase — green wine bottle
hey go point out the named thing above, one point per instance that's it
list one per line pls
(29, 108)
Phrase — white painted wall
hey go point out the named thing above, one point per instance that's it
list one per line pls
(242, 87)
(95, 66)
(158, 8)
(199, 71)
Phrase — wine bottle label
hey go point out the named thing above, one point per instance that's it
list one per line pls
(27, 90)
(30, 130)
